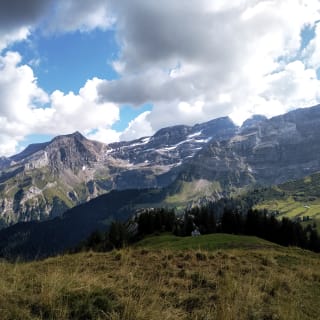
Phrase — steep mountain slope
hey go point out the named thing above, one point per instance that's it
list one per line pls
(211, 160)
(294, 199)
(268, 152)
(246, 159)
(46, 179)
(286, 147)
(35, 239)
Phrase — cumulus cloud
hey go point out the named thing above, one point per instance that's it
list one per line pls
(26, 108)
(312, 51)
(192, 60)
(197, 32)
(11, 36)
(105, 135)
(19, 95)
(231, 58)
(82, 111)
(152, 86)
(19, 92)
(137, 128)
(83, 15)
(19, 18)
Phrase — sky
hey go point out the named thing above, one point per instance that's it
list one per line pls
(122, 69)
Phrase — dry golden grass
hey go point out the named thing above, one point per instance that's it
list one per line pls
(145, 284)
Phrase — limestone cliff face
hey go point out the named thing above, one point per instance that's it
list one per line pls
(285, 147)
(45, 179)
(73, 152)
(266, 152)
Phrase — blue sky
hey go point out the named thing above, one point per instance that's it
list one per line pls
(67, 61)
(121, 70)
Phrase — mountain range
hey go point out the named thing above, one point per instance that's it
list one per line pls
(176, 167)
(213, 158)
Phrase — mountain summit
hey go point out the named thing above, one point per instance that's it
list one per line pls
(207, 159)
(47, 178)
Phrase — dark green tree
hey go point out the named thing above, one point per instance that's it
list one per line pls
(118, 235)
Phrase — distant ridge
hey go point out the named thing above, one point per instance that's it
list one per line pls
(32, 148)
(207, 160)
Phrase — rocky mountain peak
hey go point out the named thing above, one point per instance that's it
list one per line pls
(253, 121)
(34, 148)
(68, 137)
(77, 135)
(170, 135)
(220, 128)
(71, 169)
(73, 151)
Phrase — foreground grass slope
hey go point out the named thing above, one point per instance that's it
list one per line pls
(260, 281)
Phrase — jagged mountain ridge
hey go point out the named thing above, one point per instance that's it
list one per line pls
(264, 152)
(273, 151)
(173, 144)
(46, 179)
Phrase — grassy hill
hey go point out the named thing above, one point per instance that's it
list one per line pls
(210, 277)
(205, 242)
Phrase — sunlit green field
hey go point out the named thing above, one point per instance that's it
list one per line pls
(204, 242)
(294, 199)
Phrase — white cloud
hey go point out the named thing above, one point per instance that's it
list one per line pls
(8, 145)
(82, 111)
(294, 86)
(104, 135)
(193, 60)
(236, 58)
(15, 35)
(312, 52)
(137, 128)
(19, 95)
(26, 108)
(83, 15)
(19, 91)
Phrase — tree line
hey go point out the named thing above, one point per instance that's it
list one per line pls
(231, 216)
